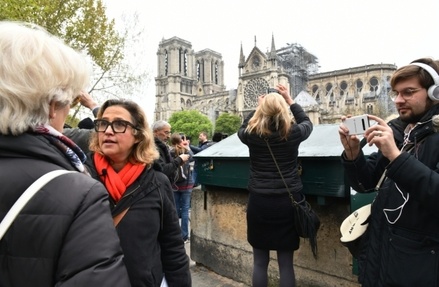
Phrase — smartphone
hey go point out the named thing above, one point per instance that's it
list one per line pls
(271, 90)
(357, 125)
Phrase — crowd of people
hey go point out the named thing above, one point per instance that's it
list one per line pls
(122, 218)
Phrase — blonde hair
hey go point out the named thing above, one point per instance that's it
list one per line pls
(273, 114)
(144, 151)
(36, 68)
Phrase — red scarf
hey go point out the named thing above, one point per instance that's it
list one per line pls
(117, 182)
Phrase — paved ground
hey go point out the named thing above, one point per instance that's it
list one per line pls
(203, 277)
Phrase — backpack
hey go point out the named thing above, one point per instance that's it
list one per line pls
(182, 173)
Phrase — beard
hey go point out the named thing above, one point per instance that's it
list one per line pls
(413, 117)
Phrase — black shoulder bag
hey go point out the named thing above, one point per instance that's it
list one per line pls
(306, 221)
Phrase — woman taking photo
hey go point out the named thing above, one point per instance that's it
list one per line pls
(184, 182)
(141, 198)
(270, 223)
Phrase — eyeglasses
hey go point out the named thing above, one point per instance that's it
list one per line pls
(118, 126)
(405, 94)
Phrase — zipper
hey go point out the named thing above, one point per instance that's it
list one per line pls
(125, 196)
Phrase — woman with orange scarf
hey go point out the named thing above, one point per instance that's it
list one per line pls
(141, 197)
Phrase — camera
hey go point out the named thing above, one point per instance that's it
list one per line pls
(357, 125)
(272, 90)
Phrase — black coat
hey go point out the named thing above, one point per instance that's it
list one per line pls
(150, 233)
(168, 164)
(64, 236)
(403, 249)
(264, 176)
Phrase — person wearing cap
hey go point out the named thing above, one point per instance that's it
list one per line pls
(401, 244)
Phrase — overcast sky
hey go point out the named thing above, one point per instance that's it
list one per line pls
(340, 33)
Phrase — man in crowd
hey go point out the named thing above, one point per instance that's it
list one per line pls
(169, 165)
(203, 143)
(400, 246)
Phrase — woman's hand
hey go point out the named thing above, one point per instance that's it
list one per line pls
(184, 157)
(283, 91)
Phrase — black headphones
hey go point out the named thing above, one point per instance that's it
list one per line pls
(433, 91)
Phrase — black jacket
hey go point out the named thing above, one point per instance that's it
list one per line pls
(402, 249)
(168, 165)
(81, 137)
(65, 235)
(264, 176)
(149, 232)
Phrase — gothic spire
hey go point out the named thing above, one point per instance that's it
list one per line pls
(241, 59)
(272, 55)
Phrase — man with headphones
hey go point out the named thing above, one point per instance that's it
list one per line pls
(401, 244)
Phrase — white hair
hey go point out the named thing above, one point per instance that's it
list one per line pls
(159, 125)
(36, 68)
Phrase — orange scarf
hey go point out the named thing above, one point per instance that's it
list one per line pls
(116, 182)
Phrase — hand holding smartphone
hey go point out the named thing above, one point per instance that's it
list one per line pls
(272, 90)
(357, 125)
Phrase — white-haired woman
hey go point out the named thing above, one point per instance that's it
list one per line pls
(270, 224)
(64, 236)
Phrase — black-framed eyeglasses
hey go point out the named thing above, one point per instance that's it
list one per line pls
(118, 126)
(405, 94)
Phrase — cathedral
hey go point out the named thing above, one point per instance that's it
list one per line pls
(190, 80)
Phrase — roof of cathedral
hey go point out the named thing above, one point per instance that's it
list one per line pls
(305, 100)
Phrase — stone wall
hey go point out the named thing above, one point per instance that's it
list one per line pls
(219, 240)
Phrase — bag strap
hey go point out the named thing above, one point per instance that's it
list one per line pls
(118, 218)
(26, 196)
(280, 173)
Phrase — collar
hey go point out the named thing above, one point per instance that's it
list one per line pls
(423, 128)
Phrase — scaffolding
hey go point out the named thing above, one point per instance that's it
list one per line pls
(297, 63)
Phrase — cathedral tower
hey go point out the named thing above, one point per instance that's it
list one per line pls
(176, 77)
(184, 77)
(210, 72)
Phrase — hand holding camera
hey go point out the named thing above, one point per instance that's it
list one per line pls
(184, 157)
(357, 125)
(271, 90)
(283, 91)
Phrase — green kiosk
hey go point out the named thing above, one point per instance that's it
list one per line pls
(226, 164)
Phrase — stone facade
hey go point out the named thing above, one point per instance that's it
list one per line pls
(353, 91)
(189, 80)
